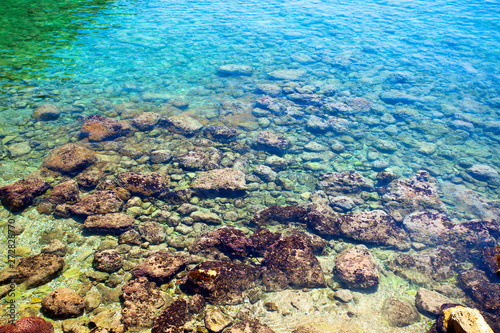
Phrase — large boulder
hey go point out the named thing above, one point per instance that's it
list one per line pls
(142, 304)
(116, 223)
(373, 227)
(98, 128)
(428, 227)
(63, 303)
(228, 240)
(410, 195)
(28, 325)
(99, 202)
(66, 192)
(183, 124)
(21, 194)
(144, 184)
(336, 183)
(220, 180)
(282, 215)
(33, 271)
(290, 261)
(273, 142)
(357, 268)
(220, 282)
(159, 267)
(430, 302)
(172, 318)
(69, 159)
(220, 133)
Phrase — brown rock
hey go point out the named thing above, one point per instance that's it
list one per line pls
(99, 128)
(283, 215)
(142, 303)
(66, 192)
(172, 318)
(357, 268)
(428, 227)
(428, 301)
(410, 195)
(21, 194)
(33, 271)
(373, 227)
(273, 142)
(69, 159)
(335, 183)
(399, 312)
(220, 180)
(160, 267)
(221, 282)
(229, 240)
(292, 257)
(63, 303)
(262, 239)
(477, 285)
(146, 121)
(28, 325)
(99, 202)
(152, 232)
(145, 184)
(109, 223)
(108, 261)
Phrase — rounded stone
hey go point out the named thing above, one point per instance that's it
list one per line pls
(108, 261)
(63, 303)
(399, 313)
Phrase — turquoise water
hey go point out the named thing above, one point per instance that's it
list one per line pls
(428, 73)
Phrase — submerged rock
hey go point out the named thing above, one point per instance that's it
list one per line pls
(220, 133)
(216, 320)
(144, 184)
(357, 268)
(99, 202)
(428, 227)
(142, 303)
(273, 142)
(66, 192)
(19, 149)
(98, 128)
(109, 223)
(486, 294)
(234, 69)
(183, 124)
(108, 261)
(69, 159)
(485, 173)
(428, 301)
(172, 318)
(159, 267)
(399, 313)
(152, 232)
(63, 303)
(220, 180)
(22, 193)
(410, 195)
(424, 267)
(285, 215)
(28, 325)
(287, 74)
(221, 282)
(33, 271)
(46, 112)
(334, 183)
(229, 240)
(373, 227)
(146, 121)
(290, 262)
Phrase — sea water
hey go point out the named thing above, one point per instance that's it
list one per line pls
(410, 85)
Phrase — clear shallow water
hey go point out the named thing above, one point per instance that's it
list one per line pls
(89, 56)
